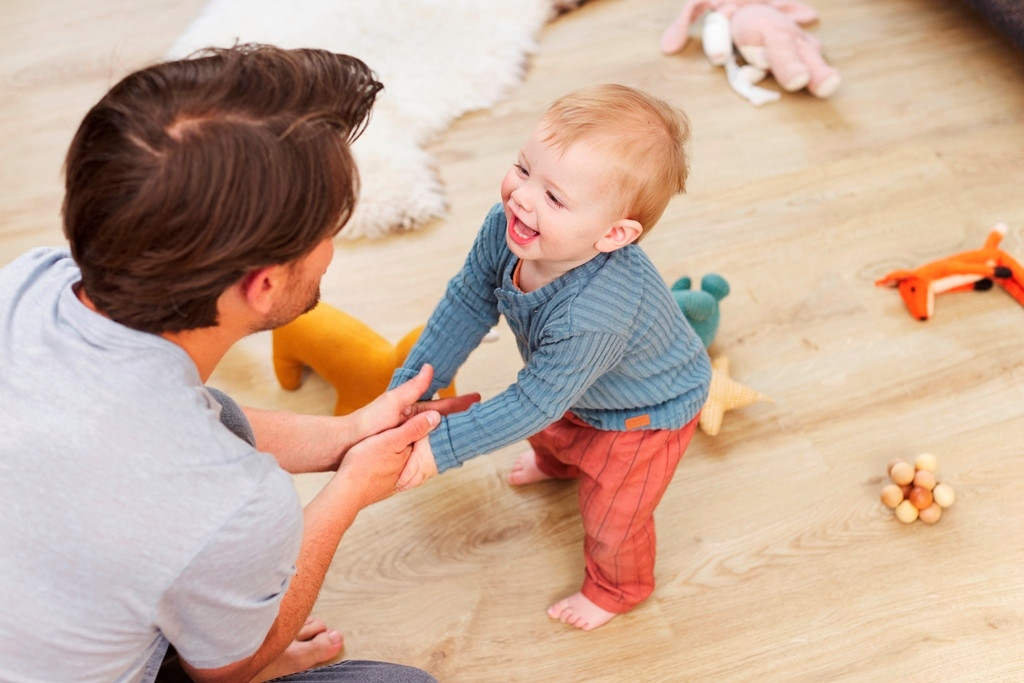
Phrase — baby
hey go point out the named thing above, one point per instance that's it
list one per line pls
(614, 377)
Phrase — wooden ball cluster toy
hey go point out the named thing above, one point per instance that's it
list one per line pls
(914, 492)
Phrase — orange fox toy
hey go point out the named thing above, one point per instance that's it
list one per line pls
(969, 270)
(353, 358)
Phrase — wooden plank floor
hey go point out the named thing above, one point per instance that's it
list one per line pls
(776, 559)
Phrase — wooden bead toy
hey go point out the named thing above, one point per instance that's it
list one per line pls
(906, 512)
(901, 472)
(892, 495)
(925, 461)
(943, 495)
(930, 514)
(920, 497)
(915, 493)
(925, 479)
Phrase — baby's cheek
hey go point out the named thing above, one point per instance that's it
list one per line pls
(508, 185)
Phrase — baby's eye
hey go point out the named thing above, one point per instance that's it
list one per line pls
(554, 200)
(521, 170)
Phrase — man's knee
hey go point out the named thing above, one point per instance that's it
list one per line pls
(232, 416)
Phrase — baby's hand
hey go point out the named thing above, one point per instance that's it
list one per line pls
(419, 467)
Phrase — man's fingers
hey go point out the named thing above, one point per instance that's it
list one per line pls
(411, 390)
(416, 427)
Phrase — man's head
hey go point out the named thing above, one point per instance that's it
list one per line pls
(642, 140)
(190, 174)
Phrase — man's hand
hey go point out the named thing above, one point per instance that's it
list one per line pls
(377, 461)
(318, 443)
(401, 403)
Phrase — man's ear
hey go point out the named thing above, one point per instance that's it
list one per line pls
(623, 231)
(260, 287)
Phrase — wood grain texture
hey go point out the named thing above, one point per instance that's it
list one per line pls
(776, 559)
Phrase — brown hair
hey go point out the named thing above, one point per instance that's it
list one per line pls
(645, 139)
(189, 174)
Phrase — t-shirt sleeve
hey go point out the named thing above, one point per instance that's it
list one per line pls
(221, 607)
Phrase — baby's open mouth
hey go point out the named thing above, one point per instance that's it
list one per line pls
(519, 232)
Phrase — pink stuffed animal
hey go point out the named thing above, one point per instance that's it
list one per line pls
(767, 34)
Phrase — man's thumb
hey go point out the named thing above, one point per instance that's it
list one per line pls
(418, 426)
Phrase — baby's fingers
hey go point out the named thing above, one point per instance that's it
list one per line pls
(410, 477)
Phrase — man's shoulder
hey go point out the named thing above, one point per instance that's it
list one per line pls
(36, 258)
(33, 265)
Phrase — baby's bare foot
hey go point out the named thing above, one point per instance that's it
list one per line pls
(313, 645)
(576, 610)
(525, 471)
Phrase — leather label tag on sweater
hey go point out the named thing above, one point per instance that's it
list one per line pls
(638, 421)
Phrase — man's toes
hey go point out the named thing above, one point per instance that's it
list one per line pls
(310, 629)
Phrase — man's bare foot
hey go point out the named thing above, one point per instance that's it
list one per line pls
(314, 644)
(576, 610)
(525, 471)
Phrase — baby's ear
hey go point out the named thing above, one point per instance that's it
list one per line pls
(624, 231)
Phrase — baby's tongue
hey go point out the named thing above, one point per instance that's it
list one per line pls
(524, 230)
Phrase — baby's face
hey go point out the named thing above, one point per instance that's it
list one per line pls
(559, 204)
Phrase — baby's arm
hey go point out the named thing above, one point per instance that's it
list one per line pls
(555, 377)
(466, 313)
(455, 328)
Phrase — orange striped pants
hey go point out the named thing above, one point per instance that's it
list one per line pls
(622, 477)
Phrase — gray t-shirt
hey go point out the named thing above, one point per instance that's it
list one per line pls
(130, 515)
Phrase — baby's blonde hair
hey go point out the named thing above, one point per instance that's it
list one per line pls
(643, 136)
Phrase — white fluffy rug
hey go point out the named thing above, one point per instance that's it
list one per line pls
(438, 59)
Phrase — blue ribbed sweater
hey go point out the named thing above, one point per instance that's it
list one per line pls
(606, 341)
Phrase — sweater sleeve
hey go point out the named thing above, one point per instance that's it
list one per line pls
(466, 312)
(556, 375)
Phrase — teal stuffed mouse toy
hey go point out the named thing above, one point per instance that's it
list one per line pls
(701, 306)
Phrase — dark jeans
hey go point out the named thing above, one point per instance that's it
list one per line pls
(349, 671)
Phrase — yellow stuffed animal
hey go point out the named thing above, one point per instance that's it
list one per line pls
(353, 358)
(724, 395)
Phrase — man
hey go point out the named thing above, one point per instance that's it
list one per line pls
(201, 201)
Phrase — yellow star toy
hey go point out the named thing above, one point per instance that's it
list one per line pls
(725, 394)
